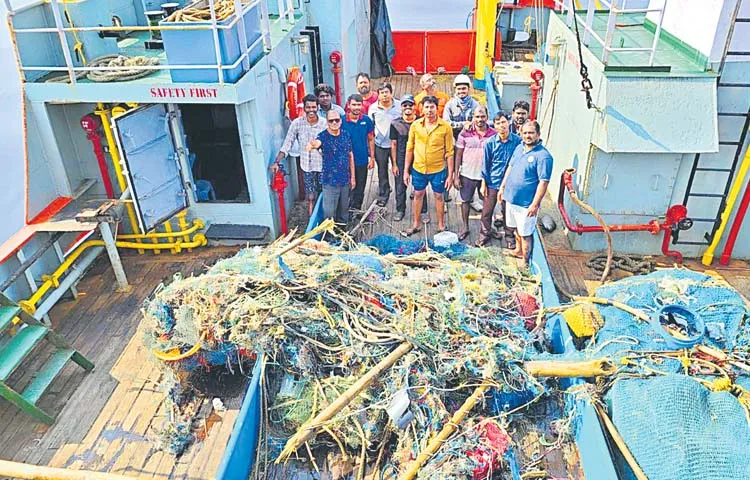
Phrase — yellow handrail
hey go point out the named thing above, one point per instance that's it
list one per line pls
(739, 181)
(29, 305)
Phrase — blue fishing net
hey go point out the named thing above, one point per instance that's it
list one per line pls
(674, 426)
(678, 429)
(720, 307)
(386, 244)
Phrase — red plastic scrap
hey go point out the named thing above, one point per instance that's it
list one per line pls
(526, 305)
(494, 442)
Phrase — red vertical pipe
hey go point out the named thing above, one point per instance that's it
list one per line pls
(335, 58)
(736, 225)
(99, 152)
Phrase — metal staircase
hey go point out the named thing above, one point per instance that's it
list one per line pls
(14, 348)
(700, 186)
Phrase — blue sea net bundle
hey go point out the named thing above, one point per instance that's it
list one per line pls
(678, 429)
(720, 307)
(679, 420)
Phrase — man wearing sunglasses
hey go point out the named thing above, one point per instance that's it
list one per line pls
(337, 177)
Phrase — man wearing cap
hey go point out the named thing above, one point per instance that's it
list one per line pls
(427, 82)
(399, 138)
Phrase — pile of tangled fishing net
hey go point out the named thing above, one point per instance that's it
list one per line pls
(370, 356)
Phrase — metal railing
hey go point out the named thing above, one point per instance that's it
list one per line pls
(616, 7)
(286, 9)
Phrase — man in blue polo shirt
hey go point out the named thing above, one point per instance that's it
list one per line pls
(524, 186)
(361, 129)
(497, 154)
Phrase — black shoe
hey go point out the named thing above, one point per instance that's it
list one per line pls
(398, 216)
(381, 203)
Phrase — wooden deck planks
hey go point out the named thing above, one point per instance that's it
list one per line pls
(113, 404)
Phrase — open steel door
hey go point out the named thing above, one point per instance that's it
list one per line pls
(152, 168)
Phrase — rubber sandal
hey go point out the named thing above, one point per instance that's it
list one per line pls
(462, 236)
(411, 231)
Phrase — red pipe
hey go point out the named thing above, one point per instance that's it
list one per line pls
(91, 123)
(278, 185)
(736, 226)
(675, 214)
(335, 59)
(536, 75)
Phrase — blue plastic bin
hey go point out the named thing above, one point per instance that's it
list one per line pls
(196, 47)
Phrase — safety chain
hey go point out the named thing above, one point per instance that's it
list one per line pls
(586, 84)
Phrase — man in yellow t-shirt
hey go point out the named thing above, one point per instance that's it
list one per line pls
(428, 151)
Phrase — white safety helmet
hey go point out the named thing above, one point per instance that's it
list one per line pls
(462, 80)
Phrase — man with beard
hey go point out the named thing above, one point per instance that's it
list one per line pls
(364, 88)
(520, 115)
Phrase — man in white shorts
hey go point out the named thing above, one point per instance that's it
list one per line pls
(524, 186)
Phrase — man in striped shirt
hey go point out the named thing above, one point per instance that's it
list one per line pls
(304, 130)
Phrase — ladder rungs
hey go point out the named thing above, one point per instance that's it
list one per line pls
(7, 314)
(13, 353)
(702, 169)
(739, 53)
(47, 374)
(707, 195)
(735, 85)
(736, 144)
(732, 114)
(680, 242)
(708, 220)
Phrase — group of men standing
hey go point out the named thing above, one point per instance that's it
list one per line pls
(428, 139)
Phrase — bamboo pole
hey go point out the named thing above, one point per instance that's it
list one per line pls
(612, 429)
(551, 368)
(325, 225)
(308, 430)
(446, 432)
(639, 314)
(37, 472)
